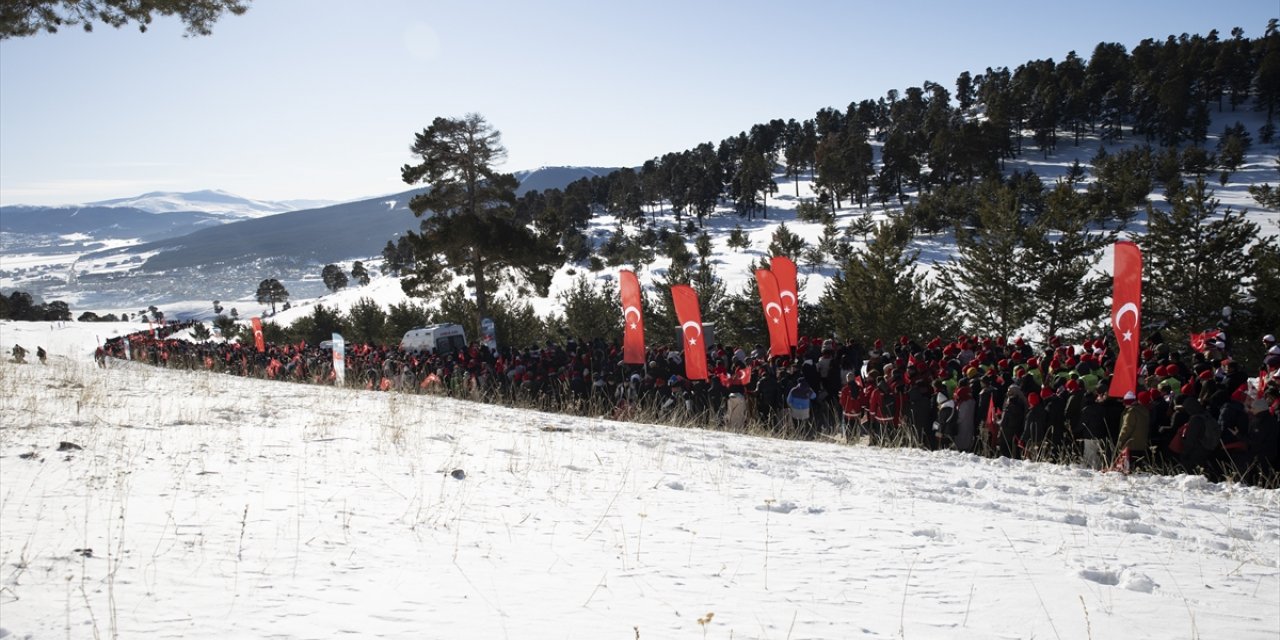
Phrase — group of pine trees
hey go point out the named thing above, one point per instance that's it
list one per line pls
(20, 305)
(1025, 249)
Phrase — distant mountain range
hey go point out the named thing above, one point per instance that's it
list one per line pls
(209, 201)
(334, 233)
(91, 223)
(148, 217)
(201, 244)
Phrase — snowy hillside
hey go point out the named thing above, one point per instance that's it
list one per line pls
(199, 505)
(733, 265)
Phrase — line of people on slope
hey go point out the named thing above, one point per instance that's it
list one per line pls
(982, 395)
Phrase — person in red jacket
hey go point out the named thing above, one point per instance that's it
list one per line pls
(881, 405)
(852, 408)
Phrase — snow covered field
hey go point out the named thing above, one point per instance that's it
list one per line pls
(208, 506)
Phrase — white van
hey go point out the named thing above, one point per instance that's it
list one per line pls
(444, 338)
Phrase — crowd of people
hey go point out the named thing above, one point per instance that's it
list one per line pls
(1193, 411)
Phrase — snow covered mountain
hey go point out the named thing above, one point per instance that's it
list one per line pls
(212, 201)
(182, 246)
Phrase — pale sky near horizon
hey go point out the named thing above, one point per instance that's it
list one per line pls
(320, 99)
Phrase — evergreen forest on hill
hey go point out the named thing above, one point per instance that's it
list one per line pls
(1026, 250)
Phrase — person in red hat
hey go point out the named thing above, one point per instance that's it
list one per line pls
(1035, 427)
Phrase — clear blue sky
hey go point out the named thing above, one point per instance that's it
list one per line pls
(321, 98)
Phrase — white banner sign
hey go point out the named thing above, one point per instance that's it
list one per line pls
(339, 360)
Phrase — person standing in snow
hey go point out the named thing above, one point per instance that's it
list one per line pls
(1012, 421)
(1092, 431)
(1263, 439)
(1195, 451)
(799, 401)
(852, 407)
(1035, 427)
(1135, 427)
(966, 435)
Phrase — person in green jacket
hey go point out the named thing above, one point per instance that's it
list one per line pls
(1134, 426)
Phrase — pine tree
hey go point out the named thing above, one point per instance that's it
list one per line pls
(359, 273)
(515, 321)
(473, 229)
(880, 292)
(30, 17)
(1196, 261)
(226, 326)
(751, 185)
(738, 239)
(366, 321)
(1262, 314)
(334, 277)
(739, 320)
(200, 332)
(271, 292)
(786, 243)
(1062, 249)
(402, 317)
(591, 311)
(988, 283)
(317, 327)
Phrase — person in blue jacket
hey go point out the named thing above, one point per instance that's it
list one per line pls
(799, 400)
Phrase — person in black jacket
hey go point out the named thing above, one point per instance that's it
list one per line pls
(1263, 438)
(1055, 408)
(1195, 454)
(1035, 429)
(1012, 422)
(1092, 431)
(920, 413)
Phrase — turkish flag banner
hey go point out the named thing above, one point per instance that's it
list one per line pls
(770, 299)
(1200, 340)
(633, 322)
(1126, 318)
(257, 334)
(785, 271)
(690, 317)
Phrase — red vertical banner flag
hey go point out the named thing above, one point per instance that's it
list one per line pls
(633, 321)
(1126, 317)
(690, 317)
(785, 271)
(257, 334)
(770, 299)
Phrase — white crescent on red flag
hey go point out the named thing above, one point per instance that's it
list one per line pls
(785, 271)
(1126, 318)
(632, 319)
(258, 340)
(688, 313)
(775, 320)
